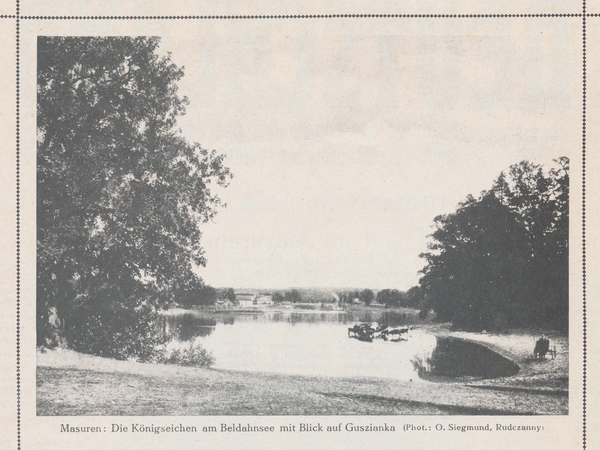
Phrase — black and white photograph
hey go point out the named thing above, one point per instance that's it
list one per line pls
(299, 225)
(305, 218)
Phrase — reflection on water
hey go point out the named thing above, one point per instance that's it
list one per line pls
(186, 327)
(456, 358)
(302, 342)
(394, 319)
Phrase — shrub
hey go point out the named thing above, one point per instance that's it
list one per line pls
(193, 355)
(421, 365)
(114, 330)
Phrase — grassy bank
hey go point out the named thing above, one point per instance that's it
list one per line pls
(73, 384)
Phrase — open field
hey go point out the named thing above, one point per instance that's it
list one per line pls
(69, 383)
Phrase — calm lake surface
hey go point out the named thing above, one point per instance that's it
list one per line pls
(303, 342)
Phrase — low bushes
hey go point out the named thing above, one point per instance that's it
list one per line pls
(193, 355)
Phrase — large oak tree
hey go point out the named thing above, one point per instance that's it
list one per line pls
(502, 259)
(121, 193)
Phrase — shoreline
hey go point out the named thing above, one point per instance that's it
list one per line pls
(71, 383)
(548, 375)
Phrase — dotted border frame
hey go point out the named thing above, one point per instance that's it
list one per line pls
(583, 222)
(18, 228)
(305, 16)
(18, 18)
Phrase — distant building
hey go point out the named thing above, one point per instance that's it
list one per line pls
(225, 303)
(246, 299)
(265, 300)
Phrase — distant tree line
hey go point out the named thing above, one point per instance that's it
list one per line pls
(387, 297)
(291, 296)
(501, 260)
(391, 298)
(202, 296)
(365, 296)
(406, 299)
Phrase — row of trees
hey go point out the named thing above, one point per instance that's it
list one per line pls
(121, 194)
(366, 296)
(292, 296)
(388, 297)
(406, 299)
(204, 296)
(501, 259)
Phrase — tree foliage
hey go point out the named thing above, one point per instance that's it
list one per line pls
(293, 296)
(367, 296)
(198, 296)
(121, 193)
(502, 259)
(413, 298)
(389, 297)
(230, 294)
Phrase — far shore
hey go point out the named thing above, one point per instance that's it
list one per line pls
(295, 308)
(70, 383)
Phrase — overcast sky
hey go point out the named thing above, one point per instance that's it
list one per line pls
(345, 148)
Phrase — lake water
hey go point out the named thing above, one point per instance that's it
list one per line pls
(303, 342)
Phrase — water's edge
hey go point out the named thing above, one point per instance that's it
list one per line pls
(455, 357)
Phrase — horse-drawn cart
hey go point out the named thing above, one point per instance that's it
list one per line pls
(542, 348)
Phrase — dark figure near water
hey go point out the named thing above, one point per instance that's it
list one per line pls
(362, 332)
(542, 346)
